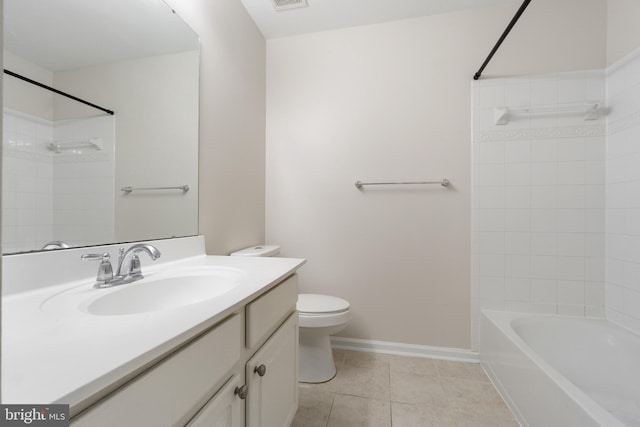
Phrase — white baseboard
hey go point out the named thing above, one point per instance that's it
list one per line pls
(456, 354)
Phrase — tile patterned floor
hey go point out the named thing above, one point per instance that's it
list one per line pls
(381, 390)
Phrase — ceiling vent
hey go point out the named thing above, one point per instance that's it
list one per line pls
(289, 4)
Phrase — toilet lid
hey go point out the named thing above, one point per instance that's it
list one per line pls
(314, 303)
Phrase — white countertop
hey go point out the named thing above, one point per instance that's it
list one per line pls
(51, 357)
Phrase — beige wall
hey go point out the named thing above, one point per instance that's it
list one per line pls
(623, 31)
(23, 96)
(551, 36)
(392, 102)
(232, 123)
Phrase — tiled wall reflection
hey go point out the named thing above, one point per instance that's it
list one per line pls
(26, 183)
(56, 196)
(83, 182)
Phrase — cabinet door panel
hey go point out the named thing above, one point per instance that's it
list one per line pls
(168, 393)
(273, 396)
(225, 409)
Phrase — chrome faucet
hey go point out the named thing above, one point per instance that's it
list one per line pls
(129, 262)
(128, 265)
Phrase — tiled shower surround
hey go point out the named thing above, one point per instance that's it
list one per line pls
(538, 208)
(27, 193)
(56, 196)
(623, 192)
(556, 198)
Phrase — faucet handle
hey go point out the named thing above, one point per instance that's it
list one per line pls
(95, 257)
(136, 270)
(105, 271)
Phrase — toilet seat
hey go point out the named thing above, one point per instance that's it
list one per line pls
(322, 311)
(315, 304)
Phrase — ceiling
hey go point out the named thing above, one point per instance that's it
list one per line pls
(67, 34)
(322, 15)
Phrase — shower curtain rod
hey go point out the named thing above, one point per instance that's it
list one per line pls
(502, 37)
(59, 92)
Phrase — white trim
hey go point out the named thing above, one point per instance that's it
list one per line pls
(456, 354)
(27, 116)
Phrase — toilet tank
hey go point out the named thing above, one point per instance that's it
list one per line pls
(262, 250)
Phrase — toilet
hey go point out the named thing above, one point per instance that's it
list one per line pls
(319, 317)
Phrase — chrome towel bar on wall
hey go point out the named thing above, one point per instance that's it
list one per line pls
(184, 188)
(443, 182)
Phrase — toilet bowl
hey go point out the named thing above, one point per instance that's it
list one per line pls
(319, 317)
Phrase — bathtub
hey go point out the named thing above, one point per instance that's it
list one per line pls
(563, 371)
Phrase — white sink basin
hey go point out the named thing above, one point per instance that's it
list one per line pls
(156, 292)
(161, 294)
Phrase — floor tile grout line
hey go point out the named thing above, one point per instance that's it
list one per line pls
(331, 409)
(389, 384)
(464, 375)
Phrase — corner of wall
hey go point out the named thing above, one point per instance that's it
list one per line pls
(232, 123)
(623, 32)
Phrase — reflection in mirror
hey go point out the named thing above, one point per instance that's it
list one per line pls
(64, 162)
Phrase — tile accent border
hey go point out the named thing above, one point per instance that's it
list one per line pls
(541, 133)
(623, 123)
(414, 350)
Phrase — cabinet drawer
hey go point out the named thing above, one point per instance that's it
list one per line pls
(170, 392)
(270, 310)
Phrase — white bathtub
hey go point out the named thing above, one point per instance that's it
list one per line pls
(563, 371)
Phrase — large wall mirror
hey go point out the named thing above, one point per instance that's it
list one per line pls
(75, 175)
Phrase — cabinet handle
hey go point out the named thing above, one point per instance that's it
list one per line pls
(260, 370)
(241, 391)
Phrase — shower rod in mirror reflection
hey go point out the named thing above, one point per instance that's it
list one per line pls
(60, 146)
(59, 92)
(184, 188)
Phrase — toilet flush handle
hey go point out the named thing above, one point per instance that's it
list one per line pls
(261, 370)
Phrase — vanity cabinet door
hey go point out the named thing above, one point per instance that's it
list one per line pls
(169, 393)
(225, 409)
(272, 378)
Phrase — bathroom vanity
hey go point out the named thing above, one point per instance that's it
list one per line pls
(189, 359)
